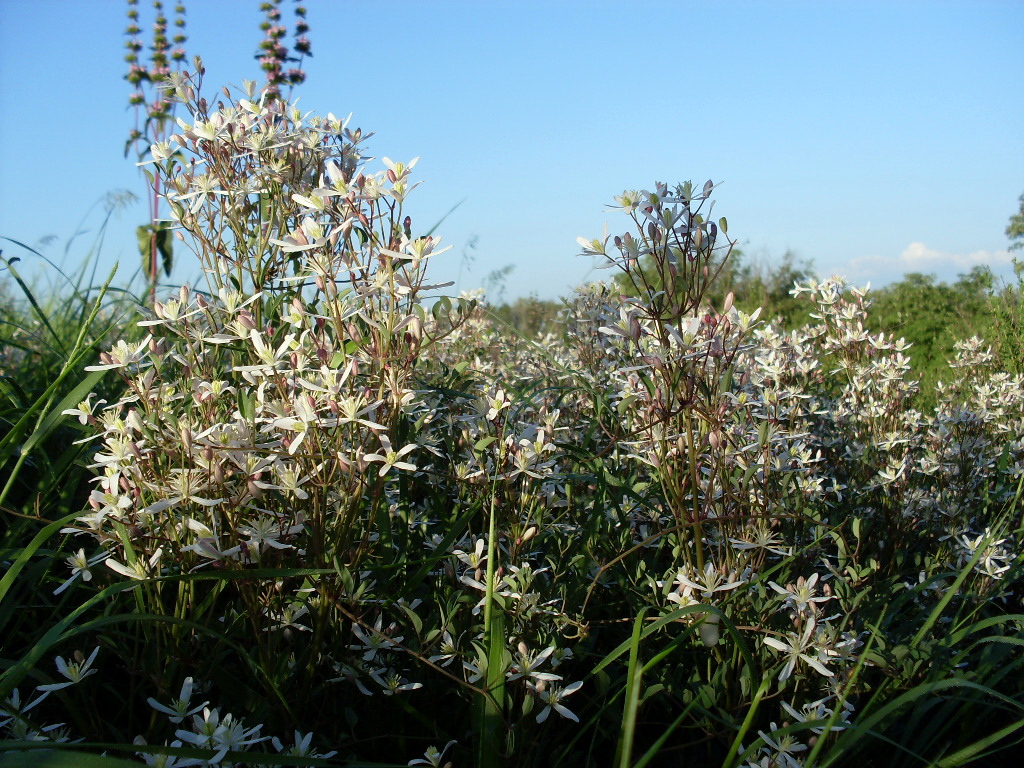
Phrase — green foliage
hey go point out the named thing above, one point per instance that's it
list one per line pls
(933, 316)
(769, 285)
(1007, 305)
(156, 239)
(47, 334)
(1015, 229)
(753, 284)
(529, 317)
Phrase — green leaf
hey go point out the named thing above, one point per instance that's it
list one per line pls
(35, 305)
(165, 246)
(158, 236)
(482, 444)
(48, 758)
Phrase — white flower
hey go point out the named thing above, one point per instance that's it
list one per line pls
(390, 457)
(264, 532)
(391, 682)
(139, 570)
(432, 756)
(474, 559)
(374, 640)
(80, 566)
(84, 411)
(74, 671)
(817, 710)
(447, 650)
(527, 664)
(784, 747)
(497, 404)
(121, 355)
(178, 709)
(801, 597)
(224, 735)
(994, 554)
(762, 538)
(166, 761)
(708, 582)
(796, 649)
(288, 617)
(552, 698)
(301, 747)
(13, 709)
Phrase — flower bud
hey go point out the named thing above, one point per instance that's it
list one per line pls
(415, 330)
(709, 630)
(634, 329)
(246, 320)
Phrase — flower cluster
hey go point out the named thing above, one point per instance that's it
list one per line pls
(385, 499)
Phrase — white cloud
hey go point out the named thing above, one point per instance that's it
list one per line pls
(921, 258)
(918, 257)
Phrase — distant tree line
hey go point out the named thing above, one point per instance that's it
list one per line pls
(930, 314)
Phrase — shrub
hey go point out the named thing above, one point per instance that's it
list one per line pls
(331, 502)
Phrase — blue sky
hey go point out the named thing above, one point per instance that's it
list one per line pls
(873, 138)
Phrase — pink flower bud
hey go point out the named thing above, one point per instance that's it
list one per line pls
(634, 329)
(246, 320)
